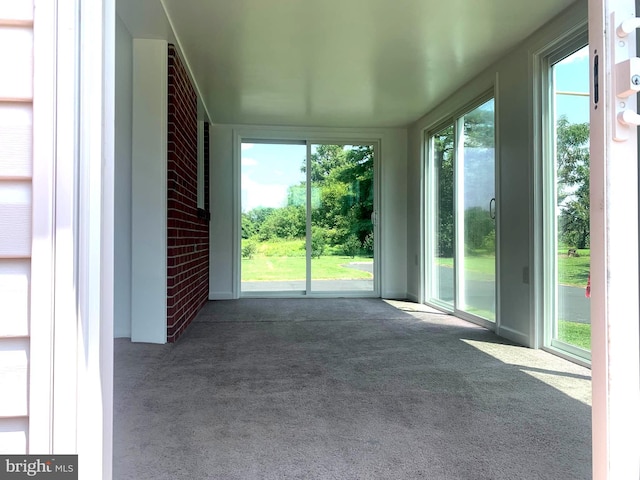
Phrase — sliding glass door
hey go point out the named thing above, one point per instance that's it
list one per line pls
(567, 229)
(342, 194)
(273, 217)
(461, 244)
(307, 218)
(476, 213)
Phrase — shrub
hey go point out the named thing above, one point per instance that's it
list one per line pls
(367, 244)
(351, 245)
(318, 242)
(249, 249)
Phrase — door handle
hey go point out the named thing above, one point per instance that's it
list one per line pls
(492, 208)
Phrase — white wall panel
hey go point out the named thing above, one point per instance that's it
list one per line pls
(13, 436)
(14, 361)
(14, 297)
(17, 52)
(16, 140)
(15, 219)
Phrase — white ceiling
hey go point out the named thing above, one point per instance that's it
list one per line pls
(356, 63)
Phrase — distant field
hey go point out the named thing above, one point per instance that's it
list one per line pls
(285, 260)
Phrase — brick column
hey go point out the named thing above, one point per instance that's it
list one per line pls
(187, 232)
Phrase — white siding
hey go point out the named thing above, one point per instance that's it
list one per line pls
(16, 170)
(14, 297)
(18, 85)
(16, 140)
(14, 359)
(15, 219)
(13, 435)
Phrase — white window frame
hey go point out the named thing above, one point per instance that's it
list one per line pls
(456, 119)
(71, 381)
(310, 137)
(545, 243)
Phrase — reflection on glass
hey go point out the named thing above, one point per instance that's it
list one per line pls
(342, 244)
(442, 278)
(571, 121)
(476, 195)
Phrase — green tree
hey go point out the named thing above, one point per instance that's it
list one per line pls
(478, 225)
(325, 161)
(248, 227)
(351, 245)
(443, 161)
(284, 223)
(257, 216)
(318, 242)
(342, 191)
(573, 182)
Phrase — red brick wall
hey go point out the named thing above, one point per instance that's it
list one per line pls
(188, 229)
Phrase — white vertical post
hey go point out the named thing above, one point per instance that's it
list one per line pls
(149, 192)
(42, 251)
(614, 252)
(65, 339)
(95, 237)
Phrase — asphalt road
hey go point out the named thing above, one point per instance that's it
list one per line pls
(573, 306)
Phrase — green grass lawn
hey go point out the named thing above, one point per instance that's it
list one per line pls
(578, 334)
(283, 260)
(480, 267)
(572, 271)
(262, 268)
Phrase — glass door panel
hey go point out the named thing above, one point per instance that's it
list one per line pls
(571, 328)
(273, 206)
(476, 246)
(441, 265)
(342, 195)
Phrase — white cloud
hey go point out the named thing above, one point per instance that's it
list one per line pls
(256, 194)
(247, 146)
(248, 162)
(574, 57)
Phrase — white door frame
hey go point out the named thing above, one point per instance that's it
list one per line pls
(614, 248)
(310, 136)
(71, 384)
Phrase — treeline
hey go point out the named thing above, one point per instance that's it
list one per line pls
(341, 204)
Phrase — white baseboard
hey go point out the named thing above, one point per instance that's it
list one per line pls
(413, 297)
(221, 296)
(514, 336)
(394, 295)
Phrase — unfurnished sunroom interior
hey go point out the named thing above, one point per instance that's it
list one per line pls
(343, 72)
(405, 78)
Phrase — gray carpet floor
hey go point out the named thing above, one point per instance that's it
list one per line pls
(346, 389)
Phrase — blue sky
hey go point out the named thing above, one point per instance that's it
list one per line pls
(572, 75)
(267, 171)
